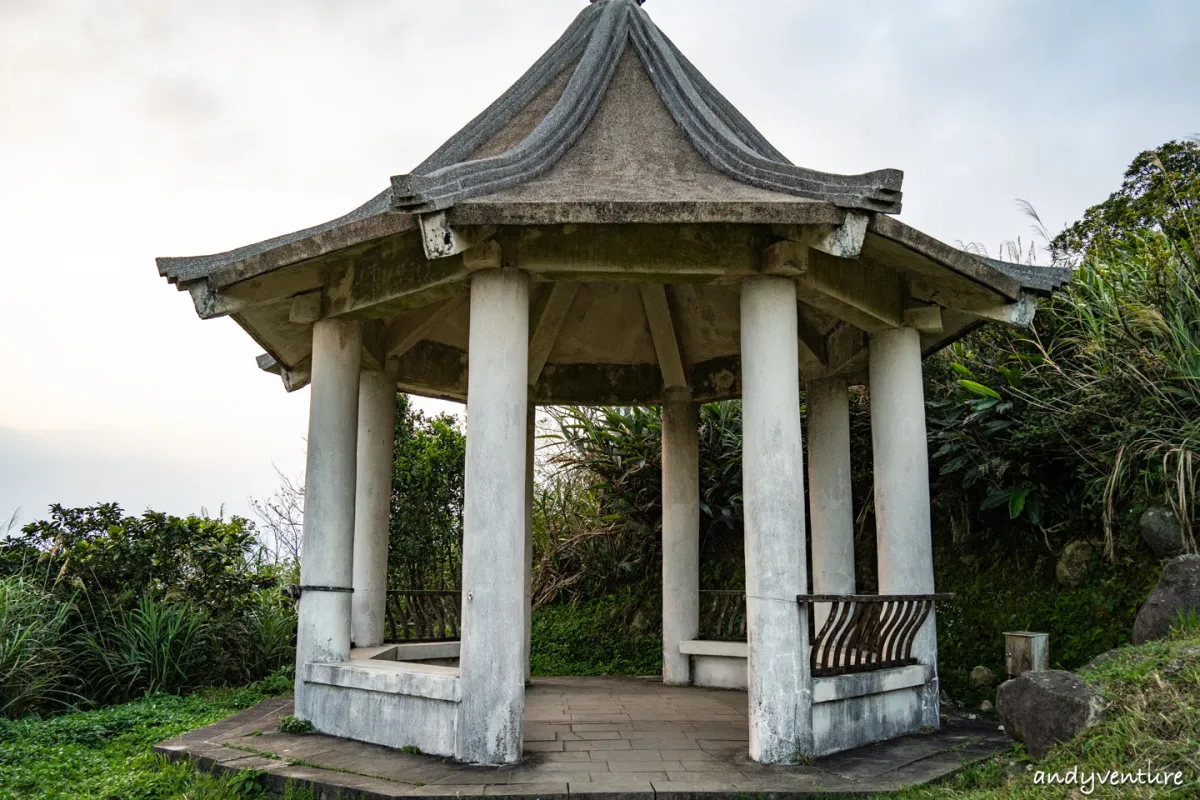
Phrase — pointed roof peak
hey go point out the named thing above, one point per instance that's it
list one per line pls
(587, 55)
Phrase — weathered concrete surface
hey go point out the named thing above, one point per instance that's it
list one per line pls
(681, 536)
(372, 504)
(588, 736)
(830, 500)
(1042, 709)
(1177, 592)
(779, 684)
(492, 657)
(901, 465)
(323, 633)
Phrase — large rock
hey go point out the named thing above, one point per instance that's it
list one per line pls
(1044, 708)
(1073, 563)
(1161, 531)
(982, 678)
(1177, 592)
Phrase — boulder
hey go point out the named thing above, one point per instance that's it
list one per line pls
(1044, 708)
(982, 678)
(986, 706)
(1161, 531)
(1177, 592)
(1073, 563)
(1103, 658)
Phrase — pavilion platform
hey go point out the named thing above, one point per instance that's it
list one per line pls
(632, 737)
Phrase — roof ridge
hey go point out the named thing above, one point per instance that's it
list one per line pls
(598, 37)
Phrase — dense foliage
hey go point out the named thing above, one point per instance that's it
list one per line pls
(97, 607)
(425, 541)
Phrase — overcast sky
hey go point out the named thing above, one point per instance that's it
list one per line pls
(131, 129)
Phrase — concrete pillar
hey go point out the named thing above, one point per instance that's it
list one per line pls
(780, 684)
(327, 555)
(492, 661)
(830, 498)
(902, 516)
(530, 432)
(681, 536)
(372, 505)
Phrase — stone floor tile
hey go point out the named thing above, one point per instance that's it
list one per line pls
(596, 736)
(542, 791)
(680, 783)
(613, 744)
(626, 755)
(543, 747)
(447, 790)
(539, 733)
(552, 767)
(720, 744)
(664, 743)
(576, 756)
(587, 727)
(706, 766)
(620, 787)
(644, 766)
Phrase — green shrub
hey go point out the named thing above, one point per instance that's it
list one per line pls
(291, 724)
(34, 660)
(613, 635)
(259, 641)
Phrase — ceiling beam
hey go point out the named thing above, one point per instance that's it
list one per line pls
(545, 328)
(813, 356)
(306, 308)
(404, 333)
(847, 349)
(662, 331)
(926, 319)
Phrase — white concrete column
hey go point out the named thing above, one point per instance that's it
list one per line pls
(830, 498)
(681, 536)
(327, 554)
(780, 684)
(530, 432)
(492, 661)
(902, 516)
(372, 505)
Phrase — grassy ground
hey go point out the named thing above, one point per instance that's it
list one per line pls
(106, 754)
(1153, 723)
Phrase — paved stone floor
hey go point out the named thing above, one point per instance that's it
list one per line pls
(595, 736)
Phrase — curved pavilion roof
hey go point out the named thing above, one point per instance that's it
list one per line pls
(610, 168)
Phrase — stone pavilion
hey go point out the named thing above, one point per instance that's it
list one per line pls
(612, 231)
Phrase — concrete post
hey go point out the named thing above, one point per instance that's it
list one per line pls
(681, 536)
(780, 684)
(372, 505)
(830, 498)
(530, 432)
(327, 555)
(492, 660)
(902, 516)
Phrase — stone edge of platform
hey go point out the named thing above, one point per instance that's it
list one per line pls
(199, 747)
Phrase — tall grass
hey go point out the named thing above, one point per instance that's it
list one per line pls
(34, 661)
(1097, 407)
(150, 649)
